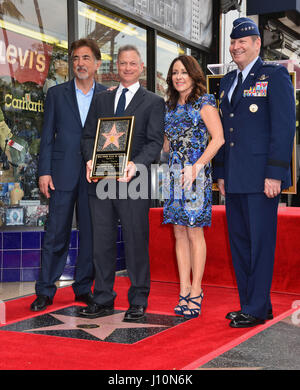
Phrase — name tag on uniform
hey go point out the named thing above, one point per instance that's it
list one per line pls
(260, 89)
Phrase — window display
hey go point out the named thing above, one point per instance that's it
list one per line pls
(33, 57)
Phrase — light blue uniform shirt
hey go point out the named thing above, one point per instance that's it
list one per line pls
(84, 102)
(245, 74)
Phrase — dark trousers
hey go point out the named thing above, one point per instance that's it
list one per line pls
(252, 227)
(57, 239)
(133, 215)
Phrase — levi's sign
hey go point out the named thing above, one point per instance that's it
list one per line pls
(22, 58)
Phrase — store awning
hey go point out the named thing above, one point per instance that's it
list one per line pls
(259, 7)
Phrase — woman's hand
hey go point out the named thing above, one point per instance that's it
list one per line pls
(221, 186)
(189, 174)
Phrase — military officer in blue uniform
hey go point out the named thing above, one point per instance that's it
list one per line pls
(257, 108)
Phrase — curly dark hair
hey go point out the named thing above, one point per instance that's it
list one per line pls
(195, 72)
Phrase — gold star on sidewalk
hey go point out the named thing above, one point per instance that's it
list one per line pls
(101, 327)
(112, 137)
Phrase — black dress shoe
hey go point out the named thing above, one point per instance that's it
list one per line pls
(41, 303)
(233, 314)
(86, 298)
(245, 321)
(93, 310)
(135, 312)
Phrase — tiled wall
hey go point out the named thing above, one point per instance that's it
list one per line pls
(20, 255)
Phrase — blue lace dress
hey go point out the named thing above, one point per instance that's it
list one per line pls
(188, 138)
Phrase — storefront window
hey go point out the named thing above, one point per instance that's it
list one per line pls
(111, 32)
(167, 50)
(33, 57)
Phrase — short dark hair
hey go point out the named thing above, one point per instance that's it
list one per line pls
(195, 72)
(86, 42)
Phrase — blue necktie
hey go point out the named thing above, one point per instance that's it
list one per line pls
(121, 103)
(237, 88)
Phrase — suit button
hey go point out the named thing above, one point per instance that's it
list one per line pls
(231, 129)
(231, 115)
(231, 144)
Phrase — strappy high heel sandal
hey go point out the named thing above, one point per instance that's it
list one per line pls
(189, 313)
(179, 309)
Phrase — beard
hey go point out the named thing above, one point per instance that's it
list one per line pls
(79, 75)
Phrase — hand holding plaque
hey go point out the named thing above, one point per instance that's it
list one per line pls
(129, 173)
(112, 147)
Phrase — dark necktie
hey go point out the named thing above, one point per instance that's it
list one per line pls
(121, 103)
(237, 88)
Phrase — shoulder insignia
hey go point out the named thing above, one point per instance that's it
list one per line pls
(273, 65)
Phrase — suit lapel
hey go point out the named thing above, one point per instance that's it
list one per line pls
(70, 96)
(97, 89)
(111, 103)
(135, 101)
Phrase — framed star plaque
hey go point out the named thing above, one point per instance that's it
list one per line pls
(112, 147)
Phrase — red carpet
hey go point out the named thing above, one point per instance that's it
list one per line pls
(185, 346)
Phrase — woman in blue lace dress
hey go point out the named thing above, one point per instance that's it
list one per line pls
(191, 117)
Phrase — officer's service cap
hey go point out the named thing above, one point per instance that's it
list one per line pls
(243, 27)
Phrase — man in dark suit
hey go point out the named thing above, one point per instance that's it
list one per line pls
(257, 108)
(62, 176)
(148, 110)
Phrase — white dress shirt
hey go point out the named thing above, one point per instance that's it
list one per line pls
(129, 94)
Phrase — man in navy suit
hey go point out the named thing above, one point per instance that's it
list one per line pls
(148, 110)
(257, 108)
(62, 176)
